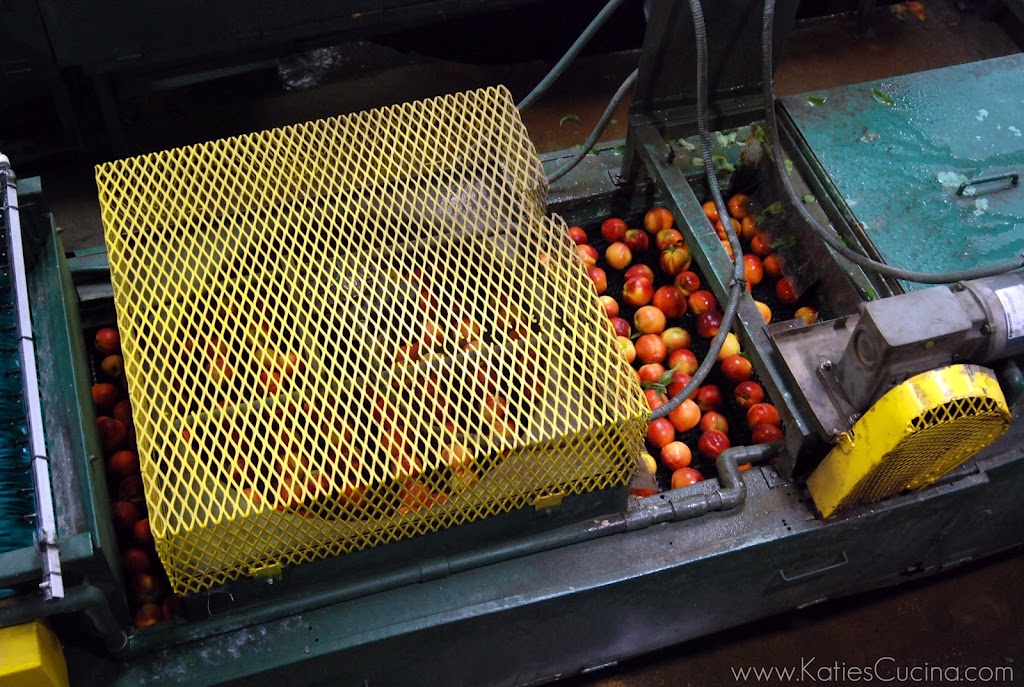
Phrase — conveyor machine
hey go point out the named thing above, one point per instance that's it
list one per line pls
(426, 542)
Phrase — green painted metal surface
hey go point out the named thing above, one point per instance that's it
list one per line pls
(85, 532)
(898, 149)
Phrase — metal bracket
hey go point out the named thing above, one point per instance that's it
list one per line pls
(548, 501)
(268, 573)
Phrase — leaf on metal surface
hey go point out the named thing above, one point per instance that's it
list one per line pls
(881, 97)
(814, 101)
(569, 118)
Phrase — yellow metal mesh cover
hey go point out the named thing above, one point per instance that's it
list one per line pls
(347, 332)
(917, 432)
(937, 441)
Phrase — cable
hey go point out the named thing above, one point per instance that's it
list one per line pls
(738, 279)
(827, 234)
(602, 124)
(570, 55)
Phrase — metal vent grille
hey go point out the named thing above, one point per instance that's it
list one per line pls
(348, 332)
(913, 435)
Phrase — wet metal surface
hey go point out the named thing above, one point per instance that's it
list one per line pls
(898, 149)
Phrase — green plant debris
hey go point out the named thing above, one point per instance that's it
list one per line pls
(784, 243)
(619, 150)
(762, 137)
(683, 143)
(722, 163)
(661, 386)
(594, 151)
(770, 212)
(808, 198)
(814, 101)
(789, 167)
(696, 161)
(871, 294)
(883, 98)
(569, 118)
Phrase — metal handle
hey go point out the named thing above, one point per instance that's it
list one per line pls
(1014, 178)
(843, 560)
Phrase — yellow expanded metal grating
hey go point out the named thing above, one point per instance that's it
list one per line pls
(347, 332)
(914, 434)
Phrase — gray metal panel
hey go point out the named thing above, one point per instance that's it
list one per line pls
(668, 64)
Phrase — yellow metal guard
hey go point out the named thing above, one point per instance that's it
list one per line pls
(914, 434)
(347, 332)
(31, 656)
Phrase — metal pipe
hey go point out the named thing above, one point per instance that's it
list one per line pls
(85, 599)
(672, 507)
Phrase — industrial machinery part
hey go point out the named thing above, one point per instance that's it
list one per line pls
(16, 504)
(895, 178)
(842, 367)
(316, 363)
(979, 321)
(926, 417)
(913, 435)
(44, 516)
(590, 587)
(739, 280)
(827, 234)
(30, 656)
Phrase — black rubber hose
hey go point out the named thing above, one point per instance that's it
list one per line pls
(827, 234)
(571, 54)
(738, 282)
(602, 124)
